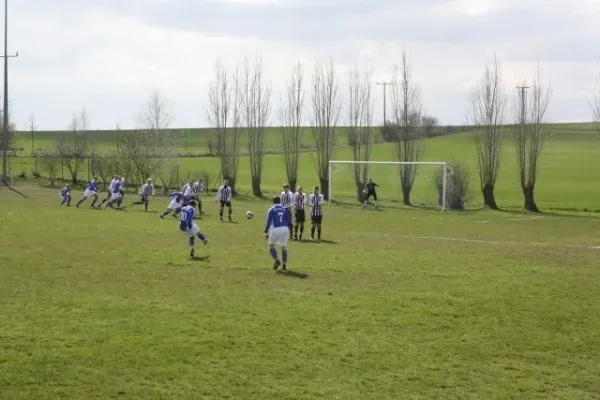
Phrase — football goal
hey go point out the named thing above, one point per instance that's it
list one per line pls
(429, 188)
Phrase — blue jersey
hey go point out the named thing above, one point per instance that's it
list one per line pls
(187, 218)
(178, 197)
(64, 192)
(93, 186)
(277, 217)
(116, 187)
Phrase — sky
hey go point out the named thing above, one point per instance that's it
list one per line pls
(110, 56)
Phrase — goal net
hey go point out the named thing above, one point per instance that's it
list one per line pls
(431, 185)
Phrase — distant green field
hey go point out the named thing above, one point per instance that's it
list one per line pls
(568, 178)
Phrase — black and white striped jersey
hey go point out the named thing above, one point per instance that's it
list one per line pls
(299, 200)
(224, 194)
(197, 187)
(316, 204)
(146, 190)
(287, 199)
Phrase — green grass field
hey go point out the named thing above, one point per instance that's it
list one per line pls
(393, 304)
(101, 304)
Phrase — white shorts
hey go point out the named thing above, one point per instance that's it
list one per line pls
(279, 236)
(193, 231)
(173, 205)
(89, 193)
(115, 196)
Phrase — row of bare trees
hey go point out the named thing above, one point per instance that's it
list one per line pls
(487, 113)
(240, 103)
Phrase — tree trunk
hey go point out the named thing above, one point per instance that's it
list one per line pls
(406, 197)
(488, 197)
(530, 205)
(256, 187)
(292, 183)
(325, 188)
(360, 187)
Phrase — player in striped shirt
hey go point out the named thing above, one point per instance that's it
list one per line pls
(65, 195)
(224, 194)
(197, 188)
(122, 191)
(189, 227)
(109, 193)
(287, 202)
(315, 201)
(90, 191)
(115, 195)
(299, 203)
(145, 192)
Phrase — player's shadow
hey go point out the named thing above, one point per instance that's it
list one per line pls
(201, 258)
(318, 242)
(292, 274)
(232, 222)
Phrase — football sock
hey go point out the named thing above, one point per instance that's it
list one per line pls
(291, 231)
(165, 213)
(312, 231)
(284, 255)
(319, 231)
(192, 242)
(273, 252)
(230, 211)
(221, 213)
(301, 229)
(146, 205)
(201, 237)
(94, 202)
(296, 230)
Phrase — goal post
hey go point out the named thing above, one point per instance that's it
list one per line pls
(427, 177)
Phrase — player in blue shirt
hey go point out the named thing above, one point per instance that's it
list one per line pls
(178, 201)
(91, 191)
(277, 231)
(115, 194)
(65, 195)
(189, 227)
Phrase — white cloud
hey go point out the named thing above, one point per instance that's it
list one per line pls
(110, 58)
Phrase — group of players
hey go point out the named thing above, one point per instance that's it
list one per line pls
(285, 219)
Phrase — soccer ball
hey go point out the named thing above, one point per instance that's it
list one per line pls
(249, 214)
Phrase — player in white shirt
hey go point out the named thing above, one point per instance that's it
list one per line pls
(110, 188)
(315, 201)
(224, 195)
(300, 214)
(287, 202)
(122, 191)
(145, 192)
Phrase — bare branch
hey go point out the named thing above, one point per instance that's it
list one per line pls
(407, 112)
(485, 114)
(595, 104)
(530, 133)
(291, 114)
(325, 115)
(359, 117)
(224, 115)
(255, 106)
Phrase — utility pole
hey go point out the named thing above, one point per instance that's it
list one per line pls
(523, 100)
(384, 84)
(5, 110)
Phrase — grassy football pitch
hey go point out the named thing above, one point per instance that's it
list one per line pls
(396, 304)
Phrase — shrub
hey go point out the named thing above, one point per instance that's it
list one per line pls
(457, 185)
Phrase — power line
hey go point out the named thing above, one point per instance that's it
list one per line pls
(5, 121)
(384, 84)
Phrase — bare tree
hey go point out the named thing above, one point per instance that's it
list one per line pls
(290, 115)
(71, 149)
(224, 114)
(407, 111)
(326, 107)
(485, 114)
(359, 114)
(595, 104)
(530, 134)
(148, 147)
(255, 106)
(50, 163)
(13, 135)
(32, 128)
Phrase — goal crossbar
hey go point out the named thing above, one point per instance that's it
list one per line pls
(442, 164)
